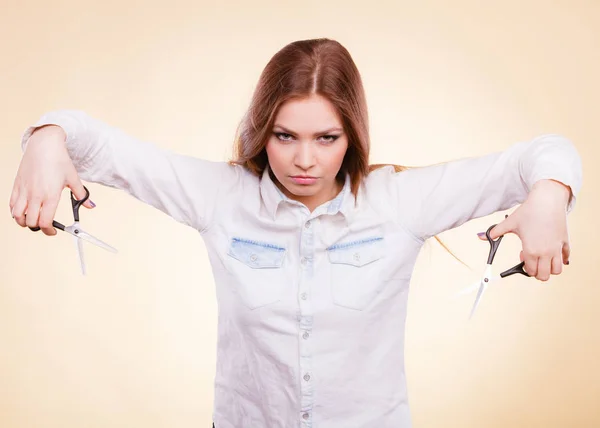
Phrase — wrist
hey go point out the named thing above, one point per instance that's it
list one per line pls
(553, 189)
(46, 133)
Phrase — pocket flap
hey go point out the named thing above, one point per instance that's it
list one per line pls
(256, 254)
(358, 253)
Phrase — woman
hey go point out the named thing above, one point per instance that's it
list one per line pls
(312, 252)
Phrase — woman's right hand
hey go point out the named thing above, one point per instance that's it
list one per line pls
(45, 170)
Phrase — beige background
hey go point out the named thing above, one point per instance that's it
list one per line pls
(133, 343)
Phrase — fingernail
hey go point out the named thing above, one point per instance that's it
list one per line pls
(568, 262)
(481, 234)
(92, 203)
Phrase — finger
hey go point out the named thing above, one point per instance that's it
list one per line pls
(47, 213)
(33, 213)
(543, 268)
(502, 228)
(89, 204)
(566, 253)
(531, 265)
(14, 196)
(556, 265)
(19, 210)
(496, 231)
(76, 186)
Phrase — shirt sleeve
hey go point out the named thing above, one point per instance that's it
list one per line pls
(184, 187)
(436, 198)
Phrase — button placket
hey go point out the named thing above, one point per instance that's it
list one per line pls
(305, 320)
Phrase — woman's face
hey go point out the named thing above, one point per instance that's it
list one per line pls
(306, 150)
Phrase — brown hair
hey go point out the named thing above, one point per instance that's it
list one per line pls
(302, 68)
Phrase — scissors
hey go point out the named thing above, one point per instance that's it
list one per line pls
(79, 234)
(488, 277)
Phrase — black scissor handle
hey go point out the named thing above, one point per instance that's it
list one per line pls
(76, 204)
(493, 244)
(515, 269)
(54, 224)
(494, 247)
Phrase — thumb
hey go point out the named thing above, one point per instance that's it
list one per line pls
(502, 228)
(76, 186)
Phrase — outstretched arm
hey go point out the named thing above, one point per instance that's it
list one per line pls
(445, 196)
(544, 175)
(80, 146)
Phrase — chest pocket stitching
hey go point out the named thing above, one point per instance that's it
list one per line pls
(256, 254)
(357, 253)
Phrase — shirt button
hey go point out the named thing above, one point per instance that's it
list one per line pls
(356, 256)
(307, 377)
(303, 260)
(305, 335)
(253, 257)
(303, 296)
(305, 416)
(307, 224)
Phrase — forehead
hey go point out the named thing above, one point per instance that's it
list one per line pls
(308, 114)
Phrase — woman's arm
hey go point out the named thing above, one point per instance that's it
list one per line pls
(441, 197)
(184, 187)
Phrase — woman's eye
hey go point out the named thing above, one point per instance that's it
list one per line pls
(330, 138)
(283, 136)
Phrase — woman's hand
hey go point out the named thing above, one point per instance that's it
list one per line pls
(45, 170)
(541, 224)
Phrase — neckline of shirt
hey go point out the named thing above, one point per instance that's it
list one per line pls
(272, 196)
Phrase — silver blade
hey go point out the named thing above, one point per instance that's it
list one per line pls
(468, 290)
(79, 245)
(475, 286)
(478, 298)
(485, 281)
(81, 234)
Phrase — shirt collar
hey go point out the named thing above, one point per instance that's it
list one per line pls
(272, 197)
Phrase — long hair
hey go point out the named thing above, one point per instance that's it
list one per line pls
(302, 68)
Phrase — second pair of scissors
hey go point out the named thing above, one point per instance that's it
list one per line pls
(78, 233)
(488, 276)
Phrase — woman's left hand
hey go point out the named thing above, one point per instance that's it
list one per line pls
(541, 224)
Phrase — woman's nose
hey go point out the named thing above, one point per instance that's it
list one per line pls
(305, 156)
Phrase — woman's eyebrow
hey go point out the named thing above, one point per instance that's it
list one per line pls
(288, 131)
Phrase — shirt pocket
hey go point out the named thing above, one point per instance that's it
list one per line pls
(256, 271)
(356, 270)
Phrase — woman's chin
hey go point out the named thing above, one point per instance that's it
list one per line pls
(302, 190)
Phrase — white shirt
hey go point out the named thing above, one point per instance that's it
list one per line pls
(312, 306)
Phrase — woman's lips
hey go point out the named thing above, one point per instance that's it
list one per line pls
(304, 180)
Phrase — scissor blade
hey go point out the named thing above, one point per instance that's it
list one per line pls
(475, 286)
(89, 238)
(482, 288)
(79, 245)
(467, 290)
(485, 281)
